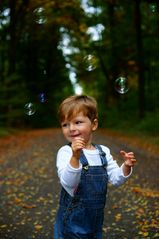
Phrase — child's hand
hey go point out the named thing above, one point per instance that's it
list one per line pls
(77, 145)
(129, 158)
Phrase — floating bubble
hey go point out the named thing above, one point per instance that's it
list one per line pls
(40, 17)
(121, 85)
(153, 8)
(29, 109)
(90, 62)
(42, 97)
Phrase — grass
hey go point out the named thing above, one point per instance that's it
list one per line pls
(7, 131)
(147, 129)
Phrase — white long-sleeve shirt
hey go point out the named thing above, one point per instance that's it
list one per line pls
(70, 177)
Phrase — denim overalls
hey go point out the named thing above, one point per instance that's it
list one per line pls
(82, 216)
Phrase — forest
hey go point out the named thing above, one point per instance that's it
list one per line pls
(50, 49)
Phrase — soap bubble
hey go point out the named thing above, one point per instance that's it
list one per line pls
(153, 8)
(40, 17)
(90, 62)
(42, 97)
(29, 109)
(121, 85)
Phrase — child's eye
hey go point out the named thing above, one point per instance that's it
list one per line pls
(78, 122)
(64, 125)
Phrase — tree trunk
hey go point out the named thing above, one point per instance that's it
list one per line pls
(140, 59)
(12, 41)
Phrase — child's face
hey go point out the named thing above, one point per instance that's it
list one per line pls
(79, 127)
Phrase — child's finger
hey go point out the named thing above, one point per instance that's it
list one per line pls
(78, 144)
(78, 139)
(129, 155)
(123, 153)
(133, 160)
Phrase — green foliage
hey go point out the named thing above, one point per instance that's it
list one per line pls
(3, 132)
(33, 37)
(149, 125)
(129, 123)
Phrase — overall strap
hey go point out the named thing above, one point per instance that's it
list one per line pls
(102, 155)
(83, 159)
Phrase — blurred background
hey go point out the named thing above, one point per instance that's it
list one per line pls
(50, 49)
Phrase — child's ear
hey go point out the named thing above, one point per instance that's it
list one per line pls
(94, 124)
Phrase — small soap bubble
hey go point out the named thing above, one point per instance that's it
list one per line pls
(42, 97)
(153, 8)
(121, 85)
(40, 17)
(29, 109)
(90, 62)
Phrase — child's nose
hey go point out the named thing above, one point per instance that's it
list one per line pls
(72, 127)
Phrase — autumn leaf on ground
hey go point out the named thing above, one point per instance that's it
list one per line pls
(27, 206)
(118, 217)
(38, 227)
(17, 200)
(144, 234)
(146, 192)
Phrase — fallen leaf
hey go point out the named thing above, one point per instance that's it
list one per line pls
(38, 227)
(118, 217)
(146, 192)
(27, 206)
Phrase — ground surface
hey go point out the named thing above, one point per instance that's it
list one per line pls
(29, 188)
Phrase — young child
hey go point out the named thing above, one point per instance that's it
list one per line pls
(84, 169)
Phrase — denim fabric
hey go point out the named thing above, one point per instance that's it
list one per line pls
(81, 216)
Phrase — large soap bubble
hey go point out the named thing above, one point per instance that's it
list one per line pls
(90, 62)
(121, 85)
(29, 109)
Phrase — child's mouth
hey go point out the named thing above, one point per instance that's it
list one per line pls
(75, 136)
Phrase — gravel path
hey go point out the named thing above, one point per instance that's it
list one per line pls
(29, 188)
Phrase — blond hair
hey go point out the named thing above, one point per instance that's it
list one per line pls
(75, 104)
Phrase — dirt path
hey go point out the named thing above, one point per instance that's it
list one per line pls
(29, 188)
